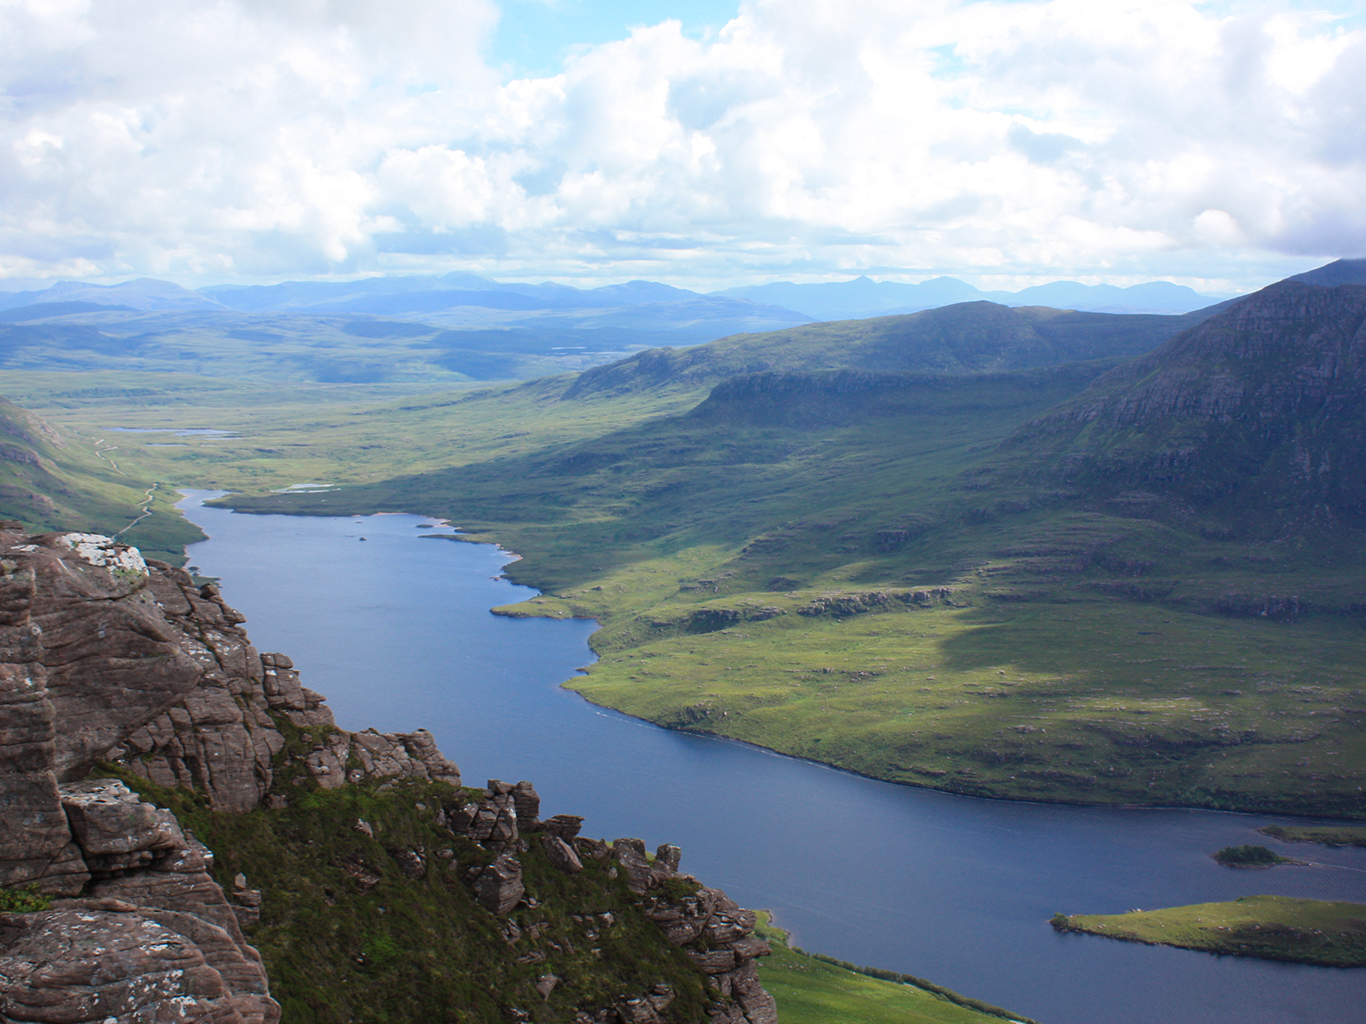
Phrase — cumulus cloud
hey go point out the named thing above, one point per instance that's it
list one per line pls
(247, 138)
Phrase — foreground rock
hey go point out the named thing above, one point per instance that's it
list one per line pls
(105, 656)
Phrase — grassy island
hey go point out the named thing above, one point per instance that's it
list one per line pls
(1273, 927)
(1251, 857)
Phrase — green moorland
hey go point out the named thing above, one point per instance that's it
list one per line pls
(55, 481)
(1324, 836)
(339, 349)
(841, 587)
(868, 569)
(817, 989)
(1272, 927)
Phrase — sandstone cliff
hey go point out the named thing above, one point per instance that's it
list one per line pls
(107, 658)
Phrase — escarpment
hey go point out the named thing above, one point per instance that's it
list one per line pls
(1261, 404)
(121, 679)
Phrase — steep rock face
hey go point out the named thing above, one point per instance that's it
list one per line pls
(139, 665)
(1263, 401)
(105, 656)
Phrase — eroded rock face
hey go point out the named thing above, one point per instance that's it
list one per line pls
(1261, 402)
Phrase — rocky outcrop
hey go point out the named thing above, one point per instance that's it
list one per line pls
(100, 960)
(715, 931)
(153, 935)
(104, 656)
(726, 951)
(142, 666)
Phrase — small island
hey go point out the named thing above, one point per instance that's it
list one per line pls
(1331, 835)
(1318, 932)
(1251, 857)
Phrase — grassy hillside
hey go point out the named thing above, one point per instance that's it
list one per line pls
(970, 337)
(49, 481)
(347, 934)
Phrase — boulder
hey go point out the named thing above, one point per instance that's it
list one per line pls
(498, 887)
(630, 857)
(106, 817)
(74, 965)
(412, 863)
(668, 857)
(528, 804)
(562, 855)
(594, 849)
(566, 826)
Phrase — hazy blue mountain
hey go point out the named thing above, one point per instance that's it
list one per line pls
(144, 293)
(636, 293)
(863, 297)
(1155, 296)
(43, 310)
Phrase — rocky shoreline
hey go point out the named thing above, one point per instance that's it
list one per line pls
(109, 658)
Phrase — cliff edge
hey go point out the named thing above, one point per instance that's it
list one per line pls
(115, 665)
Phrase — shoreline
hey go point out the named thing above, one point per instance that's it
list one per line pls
(468, 538)
(1313, 933)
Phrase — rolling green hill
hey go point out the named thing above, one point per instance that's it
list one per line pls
(970, 337)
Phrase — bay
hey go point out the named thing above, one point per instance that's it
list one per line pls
(395, 630)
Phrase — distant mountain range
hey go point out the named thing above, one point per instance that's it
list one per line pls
(863, 297)
(460, 299)
(463, 326)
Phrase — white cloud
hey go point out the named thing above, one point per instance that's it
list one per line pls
(1042, 139)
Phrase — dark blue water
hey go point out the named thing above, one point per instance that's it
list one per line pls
(396, 631)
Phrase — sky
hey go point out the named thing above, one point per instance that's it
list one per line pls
(698, 142)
